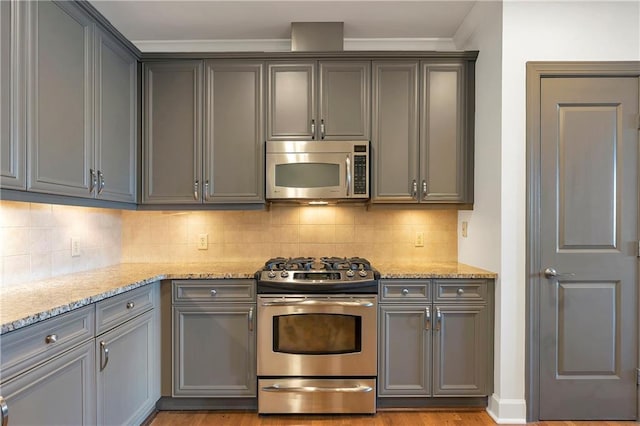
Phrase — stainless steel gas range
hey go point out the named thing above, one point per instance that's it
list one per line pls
(317, 335)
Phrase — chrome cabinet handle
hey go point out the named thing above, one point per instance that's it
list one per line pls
(460, 291)
(52, 338)
(92, 180)
(348, 168)
(424, 189)
(130, 305)
(195, 190)
(414, 189)
(214, 292)
(104, 355)
(438, 319)
(552, 273)
(427, 314)
(313, 128)
(206, 190)
(322, 128)
(405, 291)
(251, 319)
(278, 388)
(101, 182)
(4, 411)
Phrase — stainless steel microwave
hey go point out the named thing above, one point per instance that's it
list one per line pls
(317, 170)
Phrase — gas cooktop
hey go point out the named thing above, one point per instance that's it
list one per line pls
(317, 275)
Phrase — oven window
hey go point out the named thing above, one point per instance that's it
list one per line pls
(307, 175)
(317, 334)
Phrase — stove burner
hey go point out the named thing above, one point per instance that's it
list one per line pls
(311, 264)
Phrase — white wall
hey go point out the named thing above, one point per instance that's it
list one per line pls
(534, 31)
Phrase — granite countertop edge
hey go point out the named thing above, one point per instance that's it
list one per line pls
(18, 321)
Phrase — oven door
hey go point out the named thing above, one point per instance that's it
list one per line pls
(317, 336)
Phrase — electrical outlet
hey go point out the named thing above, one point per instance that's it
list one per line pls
(419, 241)
(75, 247)
(203, 242)
(465, 229)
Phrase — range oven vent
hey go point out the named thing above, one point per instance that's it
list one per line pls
(317, 37)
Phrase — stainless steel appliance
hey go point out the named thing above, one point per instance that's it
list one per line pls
(318, 171)
(317, 336)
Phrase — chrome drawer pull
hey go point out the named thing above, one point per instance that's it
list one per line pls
(427, 323)
(460, 291)
(278, 388)
(214, 292)
(104, 355)
(405, 291)
(4, 410)
(52, 338)
(438, 319)
(130, 305)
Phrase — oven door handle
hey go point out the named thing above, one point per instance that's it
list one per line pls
(358, 303)
(278, 388)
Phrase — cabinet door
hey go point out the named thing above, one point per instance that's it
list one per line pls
(60, 102)
(58, 392)
(291, 103)
(394, 140)
(12, 142)
(344, 100)
(234, 135)
(405, 351)
(460, 350)
(172, 133)
(125, 375)
(116, 120)
(444, 148)
(214, 350)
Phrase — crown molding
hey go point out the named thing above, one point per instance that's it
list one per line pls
(284, 45)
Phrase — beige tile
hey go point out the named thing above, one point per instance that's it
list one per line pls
(346, 215)
(41, 266)
(40, 240)
(317, 215)
(323, 234)
(286, 250)
(16, 269)
(41, 215)
(283, 234)
(317, 250)
(284, 215)
(345, 233)
(14, 214)
(364, 234)
(61, 262)
(15, 241)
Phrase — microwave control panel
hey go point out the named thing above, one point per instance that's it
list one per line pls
(359, 174)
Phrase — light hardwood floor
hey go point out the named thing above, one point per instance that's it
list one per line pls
(385, 418)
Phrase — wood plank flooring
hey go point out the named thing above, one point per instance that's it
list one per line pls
(385, 418)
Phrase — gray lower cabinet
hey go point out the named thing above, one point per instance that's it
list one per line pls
(214, 353)
(127, 356)
(48, 371)
(422, 138)
(316, 100)
(436, 338)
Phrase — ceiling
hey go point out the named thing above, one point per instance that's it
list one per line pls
(146, 22)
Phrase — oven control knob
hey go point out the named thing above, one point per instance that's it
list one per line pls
(271, 274)
(362, 273)
(350, 273)
(284, 274)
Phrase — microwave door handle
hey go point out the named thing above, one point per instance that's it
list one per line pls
(348, 163)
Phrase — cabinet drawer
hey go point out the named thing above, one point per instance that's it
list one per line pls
(115, 310)
(214, 291)
(29, 346)
(461, 290)
(405, 291)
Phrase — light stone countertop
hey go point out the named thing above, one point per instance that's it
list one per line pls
(32, 302)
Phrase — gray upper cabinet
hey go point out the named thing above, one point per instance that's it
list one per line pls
(422, 132)
(395, 131)
(445, 147)
(60, 99)
(333, 106)
(12, 141)
(116, 116)
(234, 132)
(172, 139)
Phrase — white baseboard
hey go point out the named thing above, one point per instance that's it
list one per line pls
(512, 411)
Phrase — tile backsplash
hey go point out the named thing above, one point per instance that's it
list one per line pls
(289, 231)
(35, 239)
